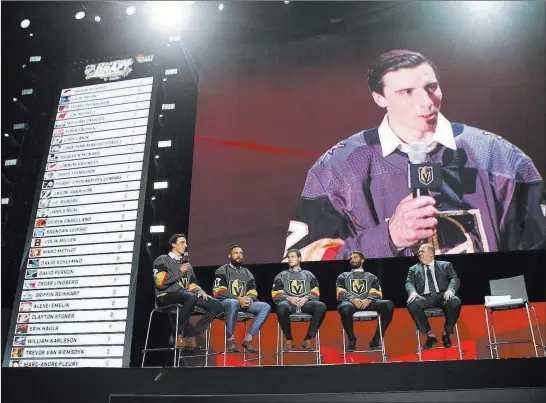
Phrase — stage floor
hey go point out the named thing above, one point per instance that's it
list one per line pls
(327, 382)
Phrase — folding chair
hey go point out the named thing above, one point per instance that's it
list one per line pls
(365, 316)
(508, 294)
(297, 317)
(437, 313)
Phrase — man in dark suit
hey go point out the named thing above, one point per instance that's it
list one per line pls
(433, 284)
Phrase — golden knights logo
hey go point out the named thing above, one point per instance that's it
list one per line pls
(297, 287)
(184, 282)
(426, 175)
(237, 288)
(358, 286)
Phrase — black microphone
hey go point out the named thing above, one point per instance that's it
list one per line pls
(185, 258)
(422, 175)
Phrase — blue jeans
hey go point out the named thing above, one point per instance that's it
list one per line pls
(231, 307)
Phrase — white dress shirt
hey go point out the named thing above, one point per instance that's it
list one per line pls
(175, 257)
(390, 141)
(432, 267)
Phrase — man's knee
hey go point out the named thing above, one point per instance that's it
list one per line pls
(416, 305)
(389, 306)
(454, 302)
(216, 305)
(264, 307)
(283, 308)
(231, 305)
(320, 307)
(346, 309)
(191, 299)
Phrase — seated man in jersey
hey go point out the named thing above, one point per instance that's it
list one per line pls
(360, 290)
(297, 290)
(235, 287)
(176, 283)
(433, 284)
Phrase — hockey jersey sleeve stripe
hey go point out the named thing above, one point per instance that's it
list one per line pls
(339, 292)
(375, 293)
(219, 290)
(160, 278)
(315, 291)
(274, 294)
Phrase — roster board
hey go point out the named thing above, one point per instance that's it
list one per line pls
(75, 295)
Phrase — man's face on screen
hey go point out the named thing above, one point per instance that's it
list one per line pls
(236, 256)
(293, 259)
(180, 245)
(412, 97)
(355, 261)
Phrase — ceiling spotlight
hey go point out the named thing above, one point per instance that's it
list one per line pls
(286, 2)
(6, 134)
(220, 7)
(149, 244)
(14, 99)
(97, 18)
(130, 10)
(25, 23)
(24, 66)
(79, 15)
(164, 78)
(31, 34)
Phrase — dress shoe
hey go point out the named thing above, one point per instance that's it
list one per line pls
(231, 347)
(351, 346)
(308, 345)
(375, 345)
(289, 345)
(446, 340)
(431, 340)
(249, 348)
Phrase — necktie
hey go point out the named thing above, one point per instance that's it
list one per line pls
(431, 287)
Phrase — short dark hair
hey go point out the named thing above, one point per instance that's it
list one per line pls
(296, 251)
(392, 61)
(358, 253)
(174, 238)
(233, 247)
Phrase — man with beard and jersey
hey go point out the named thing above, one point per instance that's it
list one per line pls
(297, 290)
(235, 288)
(358, 290)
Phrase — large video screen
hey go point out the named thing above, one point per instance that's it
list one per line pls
(293, 149)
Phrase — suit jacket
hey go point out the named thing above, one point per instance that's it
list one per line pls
(445, 274)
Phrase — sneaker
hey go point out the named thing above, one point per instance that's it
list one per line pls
(249, 348)
(307, 345)
(289, 345)
(231, 347)
(351, 346)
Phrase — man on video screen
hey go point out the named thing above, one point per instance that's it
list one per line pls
(356, 196)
